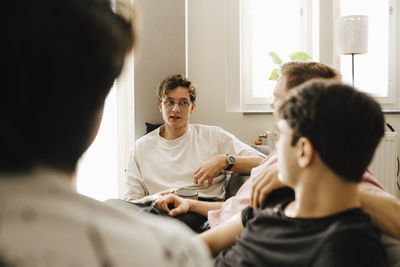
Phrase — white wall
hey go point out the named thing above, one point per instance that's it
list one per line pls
(163, 52)
(207, 68)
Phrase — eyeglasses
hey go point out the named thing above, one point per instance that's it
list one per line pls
(183, 104)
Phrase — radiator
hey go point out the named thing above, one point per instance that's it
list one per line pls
(384, 164)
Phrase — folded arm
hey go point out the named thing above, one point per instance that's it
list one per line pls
(214, 166)
(175, 205)
(222, 236)
(383, 209)
(134, 189)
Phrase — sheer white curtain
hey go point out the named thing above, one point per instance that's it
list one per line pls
(97, 170)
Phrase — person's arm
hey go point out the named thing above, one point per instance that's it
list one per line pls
(214, 166)
(244, 164)
(222, 236)
(134, 187)
(182, 205)
(383, 209)
(264, 182)
(246, 157)
(153, 197)
(135, 191)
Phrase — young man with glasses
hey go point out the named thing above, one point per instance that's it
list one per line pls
(182, 155)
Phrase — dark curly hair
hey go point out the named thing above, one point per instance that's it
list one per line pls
(59, 60)
(174, 81)
(344, 125)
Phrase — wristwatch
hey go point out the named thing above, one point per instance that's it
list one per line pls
(231, 161)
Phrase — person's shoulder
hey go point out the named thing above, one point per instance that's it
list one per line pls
(151, 137)
(278, 196)
(204, 130)
(354, 246)
(351, 240)
(212, 129)
(145, 233)
(186, 250)
(204, 127)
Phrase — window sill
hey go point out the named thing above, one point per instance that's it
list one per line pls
(269, 112)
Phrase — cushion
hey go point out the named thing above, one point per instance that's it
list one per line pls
(234, 182)
(151, 126)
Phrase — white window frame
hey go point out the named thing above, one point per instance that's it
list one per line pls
(125, 117)
(390, 102)
(248, 101)
(124, 102)
(322, 49)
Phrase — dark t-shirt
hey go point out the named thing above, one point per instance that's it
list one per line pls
(272, 239)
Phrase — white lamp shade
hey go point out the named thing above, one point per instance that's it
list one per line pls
(352, 33)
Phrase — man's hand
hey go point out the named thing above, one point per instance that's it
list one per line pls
(210, 169)
(153, 197)
(264, 182)
(180, 205)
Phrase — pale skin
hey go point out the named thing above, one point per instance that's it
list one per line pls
(176, 123)
(300, 168)
(182, 205)
(214, 166)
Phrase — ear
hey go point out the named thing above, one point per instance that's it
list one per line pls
(192, 108)
(305, 152)
(160, 106)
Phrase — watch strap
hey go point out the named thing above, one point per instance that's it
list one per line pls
(231, 161)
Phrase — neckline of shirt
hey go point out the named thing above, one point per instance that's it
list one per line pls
(176, 140)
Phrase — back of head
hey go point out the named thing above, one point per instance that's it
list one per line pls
(343, 124)
(297, 72)
(59, 61)
(173, 81)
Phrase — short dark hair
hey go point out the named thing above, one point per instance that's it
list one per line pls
(174, 81)
(297, 72)
(343, 124)
(59, 60)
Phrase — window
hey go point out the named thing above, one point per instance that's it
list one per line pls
(97, 170)
(268, 26)
(101, 170)
(287, 26)
(375, 71)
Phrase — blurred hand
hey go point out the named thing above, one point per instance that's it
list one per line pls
(264, 182)
(152, 197)
(210, 169)
(179, 205)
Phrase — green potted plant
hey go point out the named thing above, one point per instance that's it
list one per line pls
(299, 56)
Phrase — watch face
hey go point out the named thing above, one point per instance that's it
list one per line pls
(231, 159)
